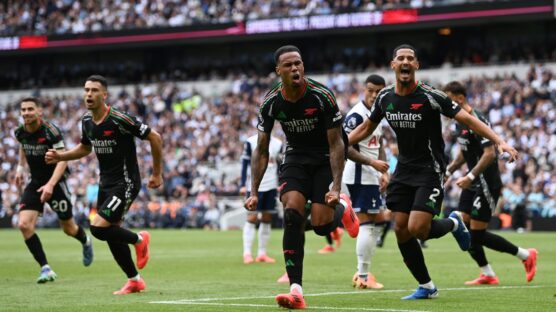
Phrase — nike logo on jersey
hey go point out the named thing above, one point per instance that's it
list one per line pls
(415, 106)
(41, 140)
(108, 133)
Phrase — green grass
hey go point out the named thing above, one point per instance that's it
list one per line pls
(200, 264)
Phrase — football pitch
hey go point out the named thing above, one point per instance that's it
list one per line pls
(194, 270)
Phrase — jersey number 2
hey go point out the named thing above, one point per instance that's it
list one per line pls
(435, 193)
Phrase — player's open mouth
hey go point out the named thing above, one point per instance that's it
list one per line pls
(89, 101)
(296, 77)
(404, 72)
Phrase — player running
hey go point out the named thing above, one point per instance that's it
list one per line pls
(47, 185)
(111, 134)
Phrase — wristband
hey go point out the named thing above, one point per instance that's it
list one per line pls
(470, 175)
(448, 173)
(19, 169)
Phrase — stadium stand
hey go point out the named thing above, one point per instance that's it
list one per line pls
(70, 16)
(201, 132)
(202, 95)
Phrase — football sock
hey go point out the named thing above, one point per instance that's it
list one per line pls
(80, 235)
(376, 233)
(35, 247)
(122, 255)
(293, 244)
(414, 260)
(338, 214)
(114, 233)
(248, 237)
(487, 270)
(264, 236)
(328, 239)
(429, 285)
(363, 248)
(498, 243)
(440, 227)
(296, 287)
(308, 225)
(476, 249)
(136, 278)
(387, 225)
(522, 253)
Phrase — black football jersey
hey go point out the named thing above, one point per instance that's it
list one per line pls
(36, 144)
(472, 147)
(415, 118)
(304, 122)
(114, 144)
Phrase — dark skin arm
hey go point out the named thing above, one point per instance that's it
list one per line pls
(259, 162)
(337, 161)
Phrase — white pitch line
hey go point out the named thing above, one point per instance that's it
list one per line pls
(273, 306)
(357, 292)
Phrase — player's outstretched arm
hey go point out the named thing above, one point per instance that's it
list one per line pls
(259, 162)
(81, 150)
(155, 140)
(362, 131)
(337, 161)
(483, 130)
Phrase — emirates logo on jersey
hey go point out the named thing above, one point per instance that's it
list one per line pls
(310, 111)
(108, 133)
(415, 106)
(41, 140)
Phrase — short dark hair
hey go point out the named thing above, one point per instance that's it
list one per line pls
(456, 88)
(404, 46)
(376, 80)
(31, 99)
(100, 79)
(285, 49)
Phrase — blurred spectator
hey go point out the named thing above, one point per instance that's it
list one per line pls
(202, 133)
(26, 17)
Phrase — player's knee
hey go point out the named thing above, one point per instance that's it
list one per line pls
(100, 233)
(322, 230)
(292, 218)
(421, 231)
(68, 231)
(25, 226)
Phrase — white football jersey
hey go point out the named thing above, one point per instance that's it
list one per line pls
(270, 178)
(355, 173)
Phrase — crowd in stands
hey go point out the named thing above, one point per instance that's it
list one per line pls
(197, 64)
(32, 17)
(202, 137)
